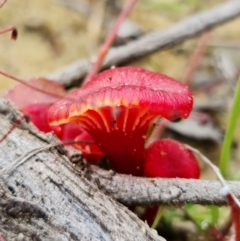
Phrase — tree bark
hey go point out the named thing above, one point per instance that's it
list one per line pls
(44, 197)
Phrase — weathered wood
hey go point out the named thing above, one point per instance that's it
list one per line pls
(162, 191)
(45, 198)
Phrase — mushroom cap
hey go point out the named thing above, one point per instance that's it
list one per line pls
(38, 116)
(117, 107)
(168, 158)
(24, 96)
(129, 86)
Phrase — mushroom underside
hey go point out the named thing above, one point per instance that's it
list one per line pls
(120, 132)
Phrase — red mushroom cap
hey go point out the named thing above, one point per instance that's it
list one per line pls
(38, 115)
(35, 103)
(24, 96)
(169, 158)
(129, 87)
(117, 107)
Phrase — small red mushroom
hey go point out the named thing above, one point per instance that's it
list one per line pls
(168, 158)
(73, 131)
(117, 107)
(24, 96)
(38, 115)
(36, 104)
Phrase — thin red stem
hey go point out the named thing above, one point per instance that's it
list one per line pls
(15, 125)
(196, 57)
(13, 30)
(235, 212)
(34, 87)
(109, 40)
(216, 235)
(4, 1)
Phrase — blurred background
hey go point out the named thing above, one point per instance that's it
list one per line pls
(54, 33)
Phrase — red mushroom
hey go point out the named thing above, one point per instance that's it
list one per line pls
(36, 104)
(24, 96)
(117, 107)
(169, 158)
(73, 131)
(38, 115)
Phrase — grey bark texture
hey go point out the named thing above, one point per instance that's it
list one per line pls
(45, 197)
(162, 191)
(73, 74)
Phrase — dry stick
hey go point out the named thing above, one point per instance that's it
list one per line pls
(150, 191)
(226, 190)
(109, 40)
(141, 191)
(185, 29)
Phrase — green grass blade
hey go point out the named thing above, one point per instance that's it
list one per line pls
(231, 126)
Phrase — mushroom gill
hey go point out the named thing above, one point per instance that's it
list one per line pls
(117, 108)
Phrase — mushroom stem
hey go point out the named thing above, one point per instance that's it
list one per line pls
(125, 156)
(121, 136)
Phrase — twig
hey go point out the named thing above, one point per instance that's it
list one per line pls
(152, 42)
(149, 191)
(154, 191)
(226, 190)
